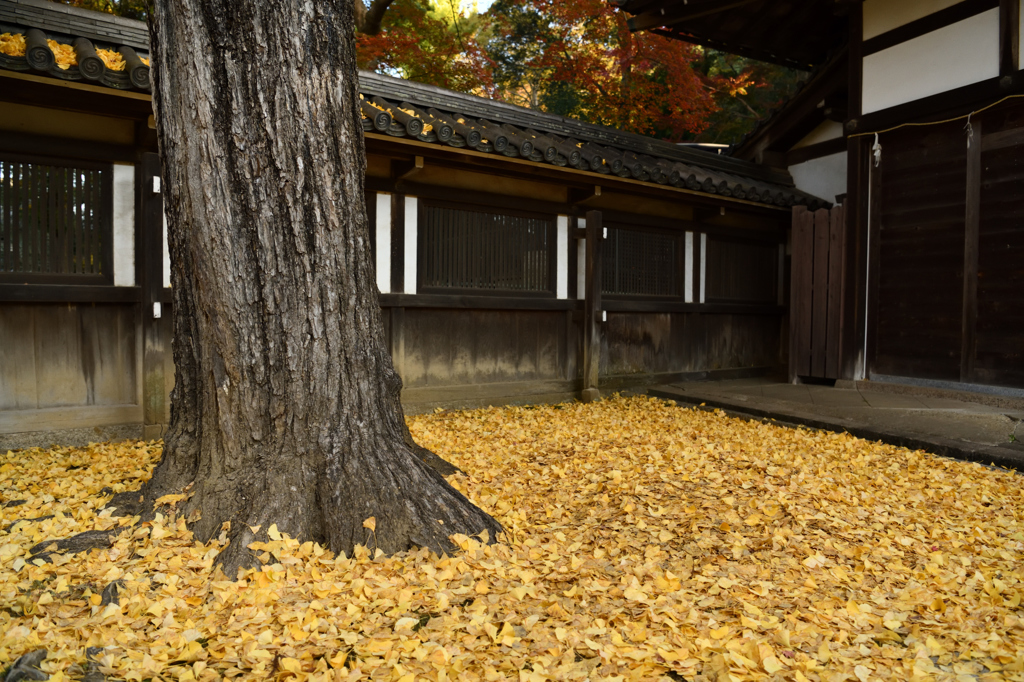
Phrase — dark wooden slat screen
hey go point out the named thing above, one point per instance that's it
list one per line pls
(55, 221)
(467, 249)
(999, 334)
(741, 272)
(921, 253)
(640, 263)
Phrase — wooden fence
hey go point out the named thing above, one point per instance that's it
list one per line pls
(816, 293)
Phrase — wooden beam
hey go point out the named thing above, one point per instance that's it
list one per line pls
(582, 196)
(592, 308)
(927, 24)
(68, 293)
(149, 226)
(660, 17)
(1009, 37)
(404, 170)
(816, 151)
(855, 233)
(957, 102)
(478, 302)
(669, 305)
(972, 230)
(44, 145)
(741, 50)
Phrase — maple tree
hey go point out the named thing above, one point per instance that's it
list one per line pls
(578, 58)
(428, 42)
(746, 91)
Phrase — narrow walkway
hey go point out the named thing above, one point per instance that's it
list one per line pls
(983, 429)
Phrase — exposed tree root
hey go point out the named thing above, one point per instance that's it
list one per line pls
(83, 542)
(9, 526)
(27, 667)
(438, 464)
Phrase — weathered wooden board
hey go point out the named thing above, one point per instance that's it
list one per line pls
(445, 347)
(66, 355)
(652, 343)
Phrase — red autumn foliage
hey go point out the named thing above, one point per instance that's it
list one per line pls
(639, 82)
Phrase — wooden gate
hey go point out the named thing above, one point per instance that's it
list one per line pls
(816, 293)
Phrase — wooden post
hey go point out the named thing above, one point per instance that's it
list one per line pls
(800, 294)
(972, 231)
(1009, 37)
(149, 221)
(852, 358)
(592, 308)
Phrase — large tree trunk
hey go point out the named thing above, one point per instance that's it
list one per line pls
(285, 408)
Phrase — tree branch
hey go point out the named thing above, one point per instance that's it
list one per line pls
(369, 19)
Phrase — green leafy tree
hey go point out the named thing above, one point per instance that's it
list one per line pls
(745, 92)
(432, 42)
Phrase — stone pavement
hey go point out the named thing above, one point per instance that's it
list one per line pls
(978, 428)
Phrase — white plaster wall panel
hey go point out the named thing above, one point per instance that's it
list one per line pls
(951, 57)
(562, 257)
(167, 257)
(124, 225)
(688, 268)
(703, 263)
(411, 242)
(829, 130)
(882, 16)
(383, 234)
(823, 178)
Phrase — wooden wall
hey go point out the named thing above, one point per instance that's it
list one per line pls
(948, 237)
(921, 190)
(67, 355)
(640, 345)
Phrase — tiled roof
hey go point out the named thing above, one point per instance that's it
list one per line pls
(401, 108)
(405, 109)
(80, 34)
(54, 17)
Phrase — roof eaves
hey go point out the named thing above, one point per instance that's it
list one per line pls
(430, 114)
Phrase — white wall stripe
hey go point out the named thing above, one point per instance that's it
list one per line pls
(124, 225)
(703, 263)
(411, 231)
(167, 257)
(562, 257)
(383, 234)
(688, 268)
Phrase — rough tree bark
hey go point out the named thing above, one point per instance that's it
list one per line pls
(286, 406)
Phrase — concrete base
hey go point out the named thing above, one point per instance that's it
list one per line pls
(69, 437)
(589, 395)
(966, 430)
(153, 431)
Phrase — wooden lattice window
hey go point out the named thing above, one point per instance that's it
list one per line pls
(640, 263)
(55, 221)
(481, 250)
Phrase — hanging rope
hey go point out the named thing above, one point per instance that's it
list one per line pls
(935, 123)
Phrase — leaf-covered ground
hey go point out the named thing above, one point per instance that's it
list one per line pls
(643, 540)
